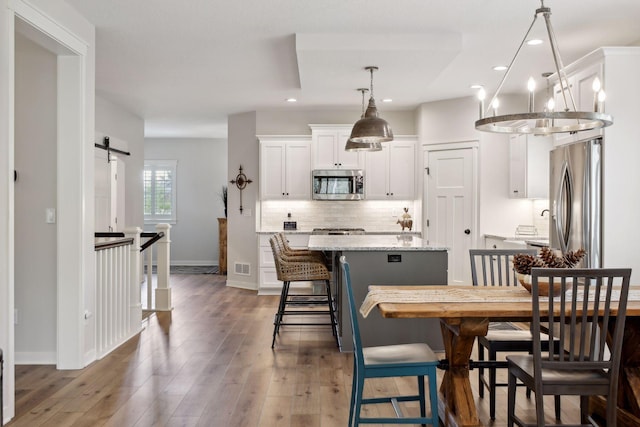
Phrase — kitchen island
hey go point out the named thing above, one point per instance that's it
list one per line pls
(400, 259)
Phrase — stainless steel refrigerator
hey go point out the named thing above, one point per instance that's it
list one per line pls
(575, 199)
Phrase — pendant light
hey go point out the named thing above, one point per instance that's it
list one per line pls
(548, 121)
(362, 146)
(371, 128)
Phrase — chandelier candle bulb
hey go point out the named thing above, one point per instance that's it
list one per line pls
(481, 95)
(551, 104)
(531, 85)
(596, 86)
(600, 101)
(495, 105)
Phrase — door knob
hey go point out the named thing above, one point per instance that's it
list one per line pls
(467, 231)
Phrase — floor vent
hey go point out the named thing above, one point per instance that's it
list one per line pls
(242, 268)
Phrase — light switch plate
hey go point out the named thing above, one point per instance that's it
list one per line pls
(51, 215)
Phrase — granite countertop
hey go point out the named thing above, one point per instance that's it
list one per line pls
(284, 231)
(370, 243)
(373, 232)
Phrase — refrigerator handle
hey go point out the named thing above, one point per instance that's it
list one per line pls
(563, 205)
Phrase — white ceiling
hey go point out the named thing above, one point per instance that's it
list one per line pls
(184, 66)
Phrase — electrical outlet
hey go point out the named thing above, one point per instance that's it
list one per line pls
(394, 212)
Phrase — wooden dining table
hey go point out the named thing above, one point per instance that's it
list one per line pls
(465, 313)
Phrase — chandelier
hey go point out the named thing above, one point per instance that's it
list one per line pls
(371, 129)
(549, 120)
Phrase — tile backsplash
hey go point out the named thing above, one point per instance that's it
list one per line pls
(372, 215)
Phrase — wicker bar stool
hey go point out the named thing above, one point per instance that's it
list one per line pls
(301, 269)
(288, 251)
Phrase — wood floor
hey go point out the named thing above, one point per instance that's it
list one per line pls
(209, 363)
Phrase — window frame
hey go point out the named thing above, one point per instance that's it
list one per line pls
(155, 165)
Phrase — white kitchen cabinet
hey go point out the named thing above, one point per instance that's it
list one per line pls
(493, 243)
(268, 283)
(529, 166)
(390, 173)
(581, 85)
(285, 168)
(328, 143)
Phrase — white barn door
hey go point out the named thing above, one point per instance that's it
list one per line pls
(109, 192)
(450, 183)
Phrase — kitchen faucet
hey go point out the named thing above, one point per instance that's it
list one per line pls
(543, 211)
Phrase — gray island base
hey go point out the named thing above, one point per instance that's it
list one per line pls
(384, 260)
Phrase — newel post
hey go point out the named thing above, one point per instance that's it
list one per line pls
(163, 291)
(135, 266)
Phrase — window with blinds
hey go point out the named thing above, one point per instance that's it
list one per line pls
(160, 191)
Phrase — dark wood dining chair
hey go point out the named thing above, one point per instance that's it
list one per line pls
(494, 267)
(588, 317)
(401, 360)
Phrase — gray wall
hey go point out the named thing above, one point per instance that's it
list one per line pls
(242, 246)
(201, 173)
(35, 190)
(113, 121)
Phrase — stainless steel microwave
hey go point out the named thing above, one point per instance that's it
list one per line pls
(338, 184)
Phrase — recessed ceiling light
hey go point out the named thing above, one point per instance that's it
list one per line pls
(534, 42)
(387, 100)
(476, 86)
(291, 100)
(499, 68)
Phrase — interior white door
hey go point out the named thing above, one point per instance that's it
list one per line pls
(449, 177)
(109, 192)
(120, 185)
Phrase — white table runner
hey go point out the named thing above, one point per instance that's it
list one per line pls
(457, 295)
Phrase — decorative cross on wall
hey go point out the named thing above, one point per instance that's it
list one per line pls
(241, 182)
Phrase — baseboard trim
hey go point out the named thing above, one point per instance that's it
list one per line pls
(36, 358)
(193, 263)
(242, 285)
(89, 357)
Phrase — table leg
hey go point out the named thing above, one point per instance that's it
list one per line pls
(628, 381)
(457, 406)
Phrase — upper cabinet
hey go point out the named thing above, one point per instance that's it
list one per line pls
(580, 83)
(529, 166)
(328, 143)
(390, 173)
(285, 168)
